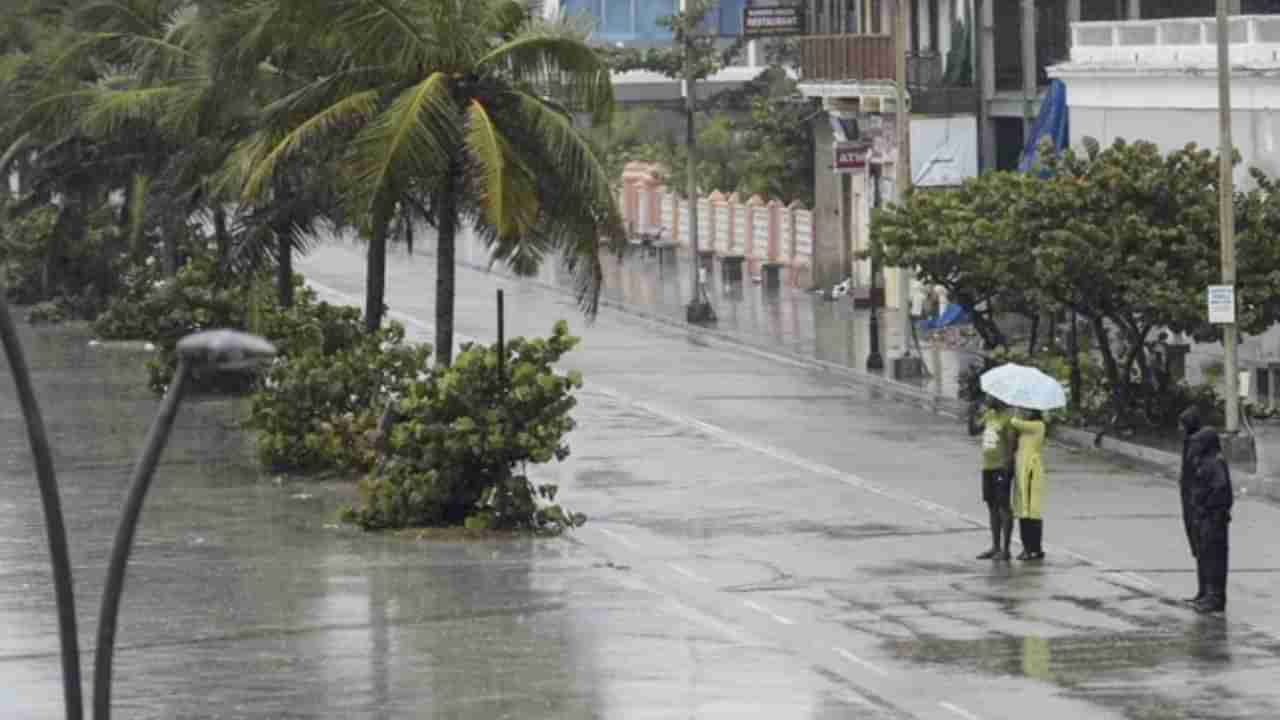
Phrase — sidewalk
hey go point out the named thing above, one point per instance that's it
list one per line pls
(785, 321)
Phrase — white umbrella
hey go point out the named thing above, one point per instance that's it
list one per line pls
(1024, 387)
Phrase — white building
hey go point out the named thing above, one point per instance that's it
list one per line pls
(1157, 80)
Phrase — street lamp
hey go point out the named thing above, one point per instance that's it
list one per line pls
(875, 361)
(216, 349)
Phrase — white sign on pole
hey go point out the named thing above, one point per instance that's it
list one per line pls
(1222, 304)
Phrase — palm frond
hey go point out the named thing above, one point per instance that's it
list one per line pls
(359, 107)
(412, 137)
(577, 206)
(109, 110)
(555, 62)
(486, 152)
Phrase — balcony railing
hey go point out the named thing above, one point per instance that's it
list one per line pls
(846, 57)
(870, 59)
(1255, 40)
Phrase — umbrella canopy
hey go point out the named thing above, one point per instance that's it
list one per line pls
(1024, 387)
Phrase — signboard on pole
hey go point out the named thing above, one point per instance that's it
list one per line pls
(775, 21)
(1222, 304)
(849, 157)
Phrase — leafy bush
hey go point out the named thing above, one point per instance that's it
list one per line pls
(50, 312)
(316, 410)
(163, 310)
(308, 325)
(462, 433)
(81, 272)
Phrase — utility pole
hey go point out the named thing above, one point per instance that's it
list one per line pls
(902, 182)
(1226, 211)
(875, 361)
(699, 309)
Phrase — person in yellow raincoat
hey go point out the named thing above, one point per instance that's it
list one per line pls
(1028, 483)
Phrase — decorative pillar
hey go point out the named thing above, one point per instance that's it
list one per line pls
(986, 64)
(1030, 81)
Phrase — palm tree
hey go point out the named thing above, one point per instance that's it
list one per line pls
(446, 112)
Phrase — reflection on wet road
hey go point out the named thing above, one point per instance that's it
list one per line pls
(764, 542)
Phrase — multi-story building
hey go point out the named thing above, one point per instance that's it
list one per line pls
(635, 24)
(1011, 47)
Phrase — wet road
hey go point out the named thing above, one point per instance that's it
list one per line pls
(839, 528)
(765, 542)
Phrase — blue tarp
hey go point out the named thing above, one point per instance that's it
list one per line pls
(953, 315)
(1052, 122)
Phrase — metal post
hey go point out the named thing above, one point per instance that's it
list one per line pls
(55, 528)
(1030, 79)
(875, 361)
(986, 80)
(122, 546)
(1226, 211)
(502, 340)
(903, 166)
(699, 309)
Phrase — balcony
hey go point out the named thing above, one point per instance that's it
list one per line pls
(1174, 43)
(848, 58)
(869, 60)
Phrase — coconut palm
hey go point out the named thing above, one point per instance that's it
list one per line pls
(445, 110)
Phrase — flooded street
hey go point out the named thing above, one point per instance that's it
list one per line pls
(764, 541)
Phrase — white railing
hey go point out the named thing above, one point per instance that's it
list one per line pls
(1255, 41)
(761, 231)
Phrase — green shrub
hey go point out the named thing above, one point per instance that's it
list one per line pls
(163, 310)
(82, 273)
(50, 312)
(315, 410)
(463, 431)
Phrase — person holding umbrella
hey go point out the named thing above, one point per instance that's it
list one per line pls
(992, 423)
(1028, 483)
(1034, 392)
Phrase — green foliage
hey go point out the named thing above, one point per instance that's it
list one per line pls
(35, 267)
(318, 404)
(463, 431)
(1125, 236)
(50, 312)
(163, 310)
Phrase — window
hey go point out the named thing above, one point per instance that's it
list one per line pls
(618, 20)
(730, 24)
(648, 13)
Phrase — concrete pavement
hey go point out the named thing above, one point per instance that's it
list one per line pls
(765, 541)
(841, 528)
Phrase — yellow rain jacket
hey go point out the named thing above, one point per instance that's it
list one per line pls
(1028, 487)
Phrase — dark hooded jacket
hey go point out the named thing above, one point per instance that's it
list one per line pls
(1190, 422)
(1211, 493)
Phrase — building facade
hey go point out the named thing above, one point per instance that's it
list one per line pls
(636, 24)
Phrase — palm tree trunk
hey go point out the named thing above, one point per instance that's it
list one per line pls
(169, 257)
(221, 235)
(375, 281)
(445, 272)
(284, 269)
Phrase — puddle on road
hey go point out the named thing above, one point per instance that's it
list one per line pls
(1200, 669)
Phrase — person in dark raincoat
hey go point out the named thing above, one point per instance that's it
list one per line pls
(1211, 499)
(1190, 422)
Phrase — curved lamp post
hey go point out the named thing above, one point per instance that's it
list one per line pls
(55, 528)
(220, 349)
